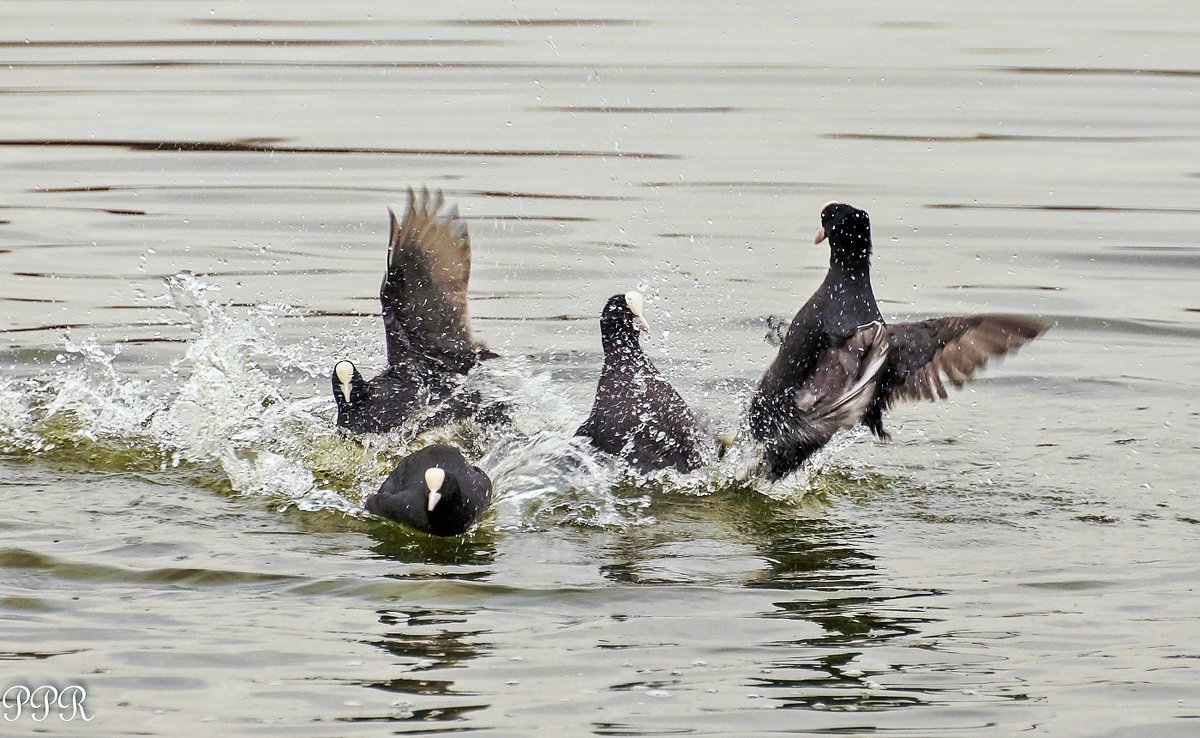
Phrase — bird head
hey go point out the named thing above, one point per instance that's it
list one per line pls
(623, 319)
(349, 387)
(848, 230)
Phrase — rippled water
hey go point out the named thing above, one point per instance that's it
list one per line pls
(192, 224)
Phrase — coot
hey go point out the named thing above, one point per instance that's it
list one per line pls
(840, 364)
(434, 490)
(637, 415)
(429, 342)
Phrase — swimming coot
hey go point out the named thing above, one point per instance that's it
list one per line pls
(637, 415)
(434, 490)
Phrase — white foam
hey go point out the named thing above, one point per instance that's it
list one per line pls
(219, 409)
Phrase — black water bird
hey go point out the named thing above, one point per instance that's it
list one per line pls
(429, 342)
(434, 490)
(841, 364)
(637, 415)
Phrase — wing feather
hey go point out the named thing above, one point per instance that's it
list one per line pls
(834, 397)
(424, 290)
(927, 354)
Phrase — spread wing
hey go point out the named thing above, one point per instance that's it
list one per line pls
(424, 290)
(926, 355)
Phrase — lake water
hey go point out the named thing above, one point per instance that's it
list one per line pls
(192, 228)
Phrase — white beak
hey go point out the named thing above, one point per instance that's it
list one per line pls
(434, 478)
(820, 235)
(345, 373)
(637, 306)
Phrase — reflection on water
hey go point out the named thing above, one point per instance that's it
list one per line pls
(851, 647)
(425, 640)
(856, 610)
(418, 552)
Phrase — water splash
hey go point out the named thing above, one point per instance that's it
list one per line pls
(739, 468)
(222, 411)
(215, 409)
(16, 418)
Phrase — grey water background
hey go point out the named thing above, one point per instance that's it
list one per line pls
(179, 533)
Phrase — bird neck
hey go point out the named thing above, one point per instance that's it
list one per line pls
(849, 299)
(620, 344)
(851, 264)
(448, 507)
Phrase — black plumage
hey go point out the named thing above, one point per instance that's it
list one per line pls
(637, 415)
(434, 490)
(840, 364)
(429, 345)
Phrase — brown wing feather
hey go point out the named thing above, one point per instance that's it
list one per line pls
(927, 355)
(841, 380)
(834, 397)
(424, 291)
